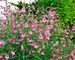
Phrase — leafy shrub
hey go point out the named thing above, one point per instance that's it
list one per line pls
(30, 34)
(65, 8)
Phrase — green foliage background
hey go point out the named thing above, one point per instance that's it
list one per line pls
(65, 9)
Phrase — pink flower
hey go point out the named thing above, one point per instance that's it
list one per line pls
(2, 43)
(17, 42)
(32, 43)
(30, 19)
(51, 26)
(51, 22)
(33, 51)
(10, 40)
(18, 25)
(3, 22)
(73, 28)
(36, 46)
(34, 29)
(48, 27)
(35, 21)
(8, 14)
(8, 6)
(26, 25)
(30, 40)
(22, 35)
(0, 0)
(56, 20)
(44, 20)
(47, 34)
(23, 10)
(30, 32)
(14, 31)
(19, 11)
(42, 53)
(13, 53)
(48, 38)
(40, 37)
(51, 14)
(40, 28)
(12, 22)
(65, 31)
(7, 57)
(1, 56)
(33, 25)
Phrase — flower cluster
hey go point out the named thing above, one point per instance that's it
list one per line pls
(28, 32)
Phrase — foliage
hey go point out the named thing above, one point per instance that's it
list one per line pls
(33, 34)
(65, 8)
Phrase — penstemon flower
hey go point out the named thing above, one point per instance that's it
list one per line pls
(40, 37)
(2, 42)
(26, 25)
(35, 21)
(44, 20)
(6, 56)
(3, 22)
(40, 28)
(73, 28)
(13, 53)
(34, 25)
(29, 32)
(10, 40)
(1, 56)
(51, 22)
(36, 46)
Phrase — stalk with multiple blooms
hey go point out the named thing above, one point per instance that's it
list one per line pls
(30, 34)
